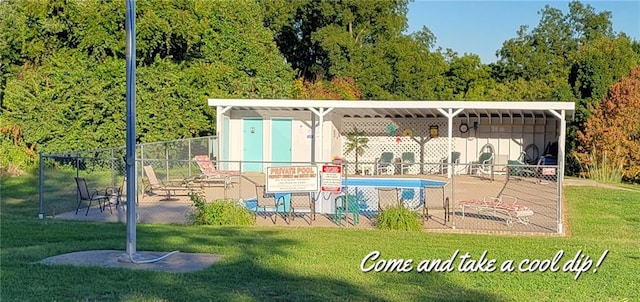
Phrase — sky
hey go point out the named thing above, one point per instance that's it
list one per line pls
(480, 27)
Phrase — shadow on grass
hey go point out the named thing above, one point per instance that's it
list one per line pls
(258, 264)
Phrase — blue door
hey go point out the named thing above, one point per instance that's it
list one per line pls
(252, 145)
(281, 141)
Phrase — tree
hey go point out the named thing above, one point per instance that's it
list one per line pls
(357, 143)
(567, 57)
(466, 78)
(63, 65)
(307, 31)
(336, 89)
(610, 143)
(362, 40)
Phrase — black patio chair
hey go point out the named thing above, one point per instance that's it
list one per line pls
(85, 195)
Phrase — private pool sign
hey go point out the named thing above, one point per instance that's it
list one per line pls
(292, 179)
(288, 179)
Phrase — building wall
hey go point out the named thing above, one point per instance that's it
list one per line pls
(301, 135)
(508, 137)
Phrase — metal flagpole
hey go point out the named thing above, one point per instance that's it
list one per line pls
(130, 28)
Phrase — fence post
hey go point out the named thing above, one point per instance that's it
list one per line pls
(240, 184)
(190, 157)
(113, 174)
(41, 185)
(454, 168)
(166, 161)
(142, 161)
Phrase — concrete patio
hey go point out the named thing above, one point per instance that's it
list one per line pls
(531, 192)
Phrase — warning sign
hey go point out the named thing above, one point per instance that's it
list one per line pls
(331, 178)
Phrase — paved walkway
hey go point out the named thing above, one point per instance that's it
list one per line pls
(592, 183)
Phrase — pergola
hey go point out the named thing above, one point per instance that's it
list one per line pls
(407, 109)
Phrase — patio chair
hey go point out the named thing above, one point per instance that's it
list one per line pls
(174, 187)
(385, 165)
(301, 200)
(116, 195)
(266, 201)
(83, 190)
(483, 165)
(455, 159)
(505, 207)
(518, 168)
(387, 197)
(408, 160)
(344, 205)
(119, 198)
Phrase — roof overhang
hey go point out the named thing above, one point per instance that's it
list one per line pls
(410, 109)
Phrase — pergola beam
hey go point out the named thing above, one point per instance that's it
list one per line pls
(220, 111)
(449, 114)
(561, 155)
(320, 113)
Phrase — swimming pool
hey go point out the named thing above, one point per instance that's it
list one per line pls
(391, 182)
(411, 192)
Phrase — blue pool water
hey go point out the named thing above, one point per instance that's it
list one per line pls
(392, 182)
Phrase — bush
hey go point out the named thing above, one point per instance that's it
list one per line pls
(18, 157)
(398, 218)
(219, 212)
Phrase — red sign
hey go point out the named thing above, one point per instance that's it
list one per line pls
(548, 171)
(331, 178)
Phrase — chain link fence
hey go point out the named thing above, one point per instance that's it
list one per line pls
(104, 171)
(485, 197)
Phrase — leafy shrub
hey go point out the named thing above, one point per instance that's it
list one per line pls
(16, 155)
(398, 218)
(219, 212)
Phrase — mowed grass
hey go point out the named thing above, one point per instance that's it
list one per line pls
(321, 264)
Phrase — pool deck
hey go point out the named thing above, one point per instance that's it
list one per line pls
(538, 196)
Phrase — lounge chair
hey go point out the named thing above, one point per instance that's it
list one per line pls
(499, 207)
(208, 168)
(83, 190)
(210, 174)
(385, 164)
(174, 187)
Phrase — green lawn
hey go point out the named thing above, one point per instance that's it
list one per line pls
(319, 264)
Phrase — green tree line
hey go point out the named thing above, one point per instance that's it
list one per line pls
(63, 63)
